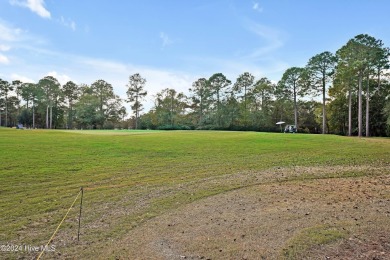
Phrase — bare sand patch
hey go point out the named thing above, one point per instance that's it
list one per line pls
(278, 215)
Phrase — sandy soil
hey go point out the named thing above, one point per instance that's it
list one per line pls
(264, 221)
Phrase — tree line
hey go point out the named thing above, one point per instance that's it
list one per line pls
(352, 84)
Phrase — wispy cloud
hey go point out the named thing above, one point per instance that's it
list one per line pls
(270, 68)
(68, 23)
(36, 6)
(9, 34)
(4, 47)
(165, 39)
(4, 59)
(101, 64)
(270, 39)
(12, 38)
(256, 6)
(15, 76)
(62, 78)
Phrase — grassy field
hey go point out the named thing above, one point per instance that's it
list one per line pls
(133, 177)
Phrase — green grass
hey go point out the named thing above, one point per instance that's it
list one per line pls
(41, 171)
(310, 238)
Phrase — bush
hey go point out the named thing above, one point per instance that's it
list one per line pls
(239, 128)
(109, 125)
(208, 127)
(304, 130)
(174, 127)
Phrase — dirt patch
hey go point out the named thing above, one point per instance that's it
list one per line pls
(330, 218)
(255, 214)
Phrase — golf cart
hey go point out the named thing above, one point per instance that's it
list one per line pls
(290, 129)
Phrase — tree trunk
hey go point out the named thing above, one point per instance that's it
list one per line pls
(281, 113)
(136, 118)
(349, 112)
(47, 117)
(171, 110)
(51, 116)
(262, 101)
(368, 107)
(245, 98)
(323, 106)
(136, 112)
(295, 108)
(33, 114)
(70, 116)
(136, 122)
(218, 112)
(6, 112)
(245, 113)
(201, 110)
(17, 96)
(360, 112)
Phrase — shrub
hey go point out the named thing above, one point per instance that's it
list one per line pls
(174, 127)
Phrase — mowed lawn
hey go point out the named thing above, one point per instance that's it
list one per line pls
(130, 177)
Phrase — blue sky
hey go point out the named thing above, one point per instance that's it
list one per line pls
(174, 42)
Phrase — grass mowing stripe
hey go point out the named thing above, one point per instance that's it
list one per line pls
(39, 168)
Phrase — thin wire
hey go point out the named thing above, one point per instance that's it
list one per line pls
(51, 238)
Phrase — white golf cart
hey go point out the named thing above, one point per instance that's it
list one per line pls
(290, 129)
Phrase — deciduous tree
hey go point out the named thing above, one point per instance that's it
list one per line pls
(104, 92)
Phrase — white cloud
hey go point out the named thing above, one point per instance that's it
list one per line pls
(15, 39)
(165, 39)
(4, 47)
(24, 79)
(117, 74)
(256, 6)
(68, 23)
(73, 25)
(36, 6)
(158, 80)
(9, 34)
(102, 65)
(3, 59)
(62, 78)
